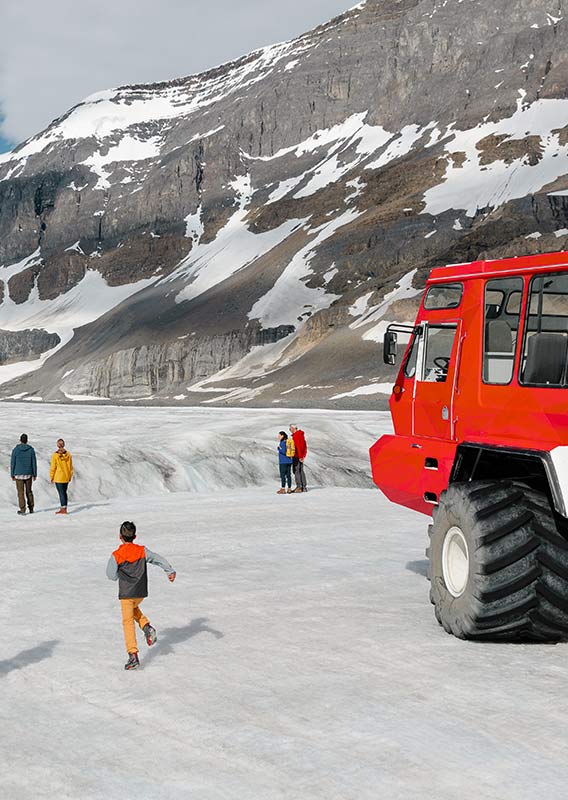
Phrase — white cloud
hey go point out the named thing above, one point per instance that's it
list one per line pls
(57, 54)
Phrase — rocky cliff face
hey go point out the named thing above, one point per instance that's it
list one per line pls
(25, 345)
(159, 230)
(143, 372)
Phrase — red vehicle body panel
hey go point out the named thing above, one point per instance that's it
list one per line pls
(432, 419)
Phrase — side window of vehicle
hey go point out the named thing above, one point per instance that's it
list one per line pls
(545, 354)
(438, 352)
(502, 309)
(411, 358)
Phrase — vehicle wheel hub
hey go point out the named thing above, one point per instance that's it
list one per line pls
(455, 561)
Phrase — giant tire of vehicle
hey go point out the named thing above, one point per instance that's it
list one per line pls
(511, 584)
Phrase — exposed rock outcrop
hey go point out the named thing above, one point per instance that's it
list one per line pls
(25, 345)
(153, 369)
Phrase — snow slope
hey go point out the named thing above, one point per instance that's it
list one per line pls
(116, 112)
(297, 654)
(472, 185)
(88, 300)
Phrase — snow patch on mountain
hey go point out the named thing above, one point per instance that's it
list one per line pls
(129, 148)
(7, 272)
(198, 136)
(326, 136)
(241, 394)
(234, 247)
(350, 144)
(467, 186)
(360, 305)
(471, 185)
(369, 389)
(331, 273)
(330, 171)
(378, 314)
(280, 305)
(353, 133)
(400, 145)
(194, 226)
(76, 247)
(84, 398)
(89, 299)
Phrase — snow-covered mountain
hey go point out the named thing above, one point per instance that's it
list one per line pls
(244, 235)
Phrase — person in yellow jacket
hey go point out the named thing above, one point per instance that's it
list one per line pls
(61, 473)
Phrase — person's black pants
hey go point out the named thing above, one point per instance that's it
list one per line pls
(286, 475)
(62, 492)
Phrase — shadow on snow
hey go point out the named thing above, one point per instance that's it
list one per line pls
(27, 657)
(419, 567)
(173, 636)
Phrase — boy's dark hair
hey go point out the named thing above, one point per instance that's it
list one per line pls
(284, 434)
(24, 438)
(128, 531)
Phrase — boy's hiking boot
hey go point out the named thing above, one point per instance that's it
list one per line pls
(289, 491)
(21, 513)
(281, 491)
(298, 489)
(133, 661)
(61, 511)
(150, 634)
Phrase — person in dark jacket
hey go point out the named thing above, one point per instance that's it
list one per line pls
(285, 459)
(23, 469)
(127, 565)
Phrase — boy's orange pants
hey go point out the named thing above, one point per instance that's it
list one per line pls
(131, 612)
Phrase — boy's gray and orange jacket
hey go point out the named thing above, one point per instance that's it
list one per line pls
(127, 565)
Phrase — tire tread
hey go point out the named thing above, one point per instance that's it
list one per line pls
(518, 582)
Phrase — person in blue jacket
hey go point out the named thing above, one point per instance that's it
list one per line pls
(23, 469)
(285, 459)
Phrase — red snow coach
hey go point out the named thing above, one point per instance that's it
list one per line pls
(480, 413)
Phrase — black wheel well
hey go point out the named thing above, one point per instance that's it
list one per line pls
(487, 462)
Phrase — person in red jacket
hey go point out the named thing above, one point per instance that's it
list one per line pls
(298, 462)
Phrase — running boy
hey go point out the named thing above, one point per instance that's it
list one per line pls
(127, 565)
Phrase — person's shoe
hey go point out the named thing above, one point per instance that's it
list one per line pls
(133, 661)
(21, 513)
(150, 634)
(289, 491)
(281, 491)
(61, 511)
(297, 489)
(31, 511)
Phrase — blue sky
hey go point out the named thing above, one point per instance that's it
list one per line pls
(56, 55)
(4, 144)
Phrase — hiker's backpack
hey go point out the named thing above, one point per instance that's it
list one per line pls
(290, 448)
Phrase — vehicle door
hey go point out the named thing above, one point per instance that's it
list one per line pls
(436, 375)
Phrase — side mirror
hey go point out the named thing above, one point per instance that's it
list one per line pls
(390, 348)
